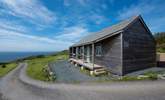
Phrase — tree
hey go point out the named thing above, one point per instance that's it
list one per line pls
(160, 41)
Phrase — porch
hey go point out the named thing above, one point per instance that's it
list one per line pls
(94, 68)
(84, 56)
(89, 66)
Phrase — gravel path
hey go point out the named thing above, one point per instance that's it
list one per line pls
(14, 89)
(68, 73)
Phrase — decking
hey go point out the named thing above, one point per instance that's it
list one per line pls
(94, 68)
(87, 65)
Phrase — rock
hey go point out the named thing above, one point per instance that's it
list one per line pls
(161, 76)
(142, 76)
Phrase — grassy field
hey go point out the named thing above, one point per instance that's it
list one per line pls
(8, 68)
(36, 65)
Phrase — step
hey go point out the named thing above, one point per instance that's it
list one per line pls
(100, 71)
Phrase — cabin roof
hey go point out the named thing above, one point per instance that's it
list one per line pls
(109, 31)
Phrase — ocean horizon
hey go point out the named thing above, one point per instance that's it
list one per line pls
(6, 57)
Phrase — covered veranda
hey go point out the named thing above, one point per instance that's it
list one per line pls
(84, 56)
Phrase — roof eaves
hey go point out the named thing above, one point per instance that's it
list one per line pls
(97, 40)
(76, 45)
(133, 20)
(109, 35)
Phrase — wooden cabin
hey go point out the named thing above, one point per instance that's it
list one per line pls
(122, 48)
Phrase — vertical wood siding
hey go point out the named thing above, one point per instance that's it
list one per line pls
(111, 54)
(138, 48)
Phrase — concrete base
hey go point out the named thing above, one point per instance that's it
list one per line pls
(91, 72)
(82, 68)
(72, 62)
(76, 64)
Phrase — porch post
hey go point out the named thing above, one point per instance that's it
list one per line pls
(76, 52)
(72, 52)
(93, 54)
(83, 53)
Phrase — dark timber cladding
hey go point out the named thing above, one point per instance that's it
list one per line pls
(111, 54)
(139, 50)
(122, 48)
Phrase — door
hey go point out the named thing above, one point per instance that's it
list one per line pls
(88, 54)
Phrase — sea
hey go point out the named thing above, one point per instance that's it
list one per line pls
(12, 56)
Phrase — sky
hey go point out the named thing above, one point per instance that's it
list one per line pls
(54, 25)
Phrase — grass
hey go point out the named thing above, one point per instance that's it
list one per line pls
(131, 78)
(7, 69)
(104, 77)
(150, 75)
(36, 65)
(153, 75)
(85, 71)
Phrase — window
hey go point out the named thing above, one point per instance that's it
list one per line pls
(98, 50)
(81, 50)
(126, 44)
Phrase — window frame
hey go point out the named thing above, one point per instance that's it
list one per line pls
(98, 50)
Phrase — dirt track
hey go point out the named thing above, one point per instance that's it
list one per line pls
(13, 89)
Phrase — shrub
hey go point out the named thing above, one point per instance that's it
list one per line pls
(129, 78)
(153, 76)
(40, 56)
(3, 66)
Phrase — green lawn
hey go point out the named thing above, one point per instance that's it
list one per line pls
(8, 68)
(36, 65)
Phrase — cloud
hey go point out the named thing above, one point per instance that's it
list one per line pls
(98, 19)
(66, 3)
(31, 10)
(16, 41)
(135, 9)
(72, 34)
(104, 6)
(157, 25)
(71, 2)
(98, 3)
(150, 10)
(82, 2)
(12, 25)
(14, 30)
(4, 33)
(84, 11)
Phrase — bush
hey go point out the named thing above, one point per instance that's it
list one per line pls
(40, 56)
(49, 75)
(160, 41)
(161, 49)
(64, 52)
(129, 78)
(3, 66)
(153, 76)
